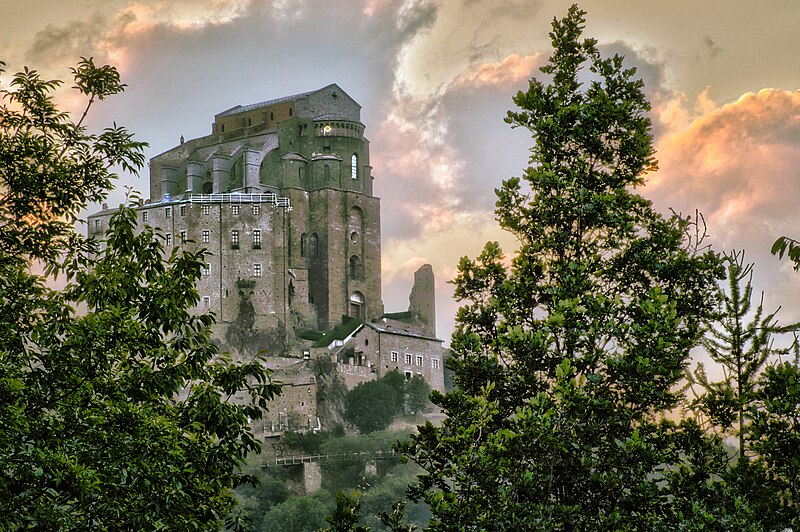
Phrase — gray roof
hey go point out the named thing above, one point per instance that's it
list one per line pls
(243, 108)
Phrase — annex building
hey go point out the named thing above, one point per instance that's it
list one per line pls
(280, 194)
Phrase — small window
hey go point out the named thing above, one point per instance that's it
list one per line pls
(291, 111)
(206, 236)
(206, 270)
(256, 238)
(409, 375)
(435, 363)
(235, 239)
(256, 270)
(206, 209)
(419, 360)
(169, 239)
(144, 216)
(354, 166)
(183, 237)
(97, 224)
(168, 212)
(394, 356)
(256, 210)
(303, 244)
(183, 210)
(234, 209)
(408, 359)
(206, 301)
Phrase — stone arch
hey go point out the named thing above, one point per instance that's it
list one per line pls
(357, 304)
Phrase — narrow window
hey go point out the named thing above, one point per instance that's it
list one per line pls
(168, 212)
(303, 244)
(408, 359)
(435, 363)
(183, 237)
(354, 166)
(206, 270)
(419, 360)
(235, 239)
(169, 239)
(97, 224)
(256, 238)
(206, 301)
(206, 209)
(256, 210)
(256, 270)
(206, 236)
(183, 210)
(144, 216)
(234, 209)
(394, 356)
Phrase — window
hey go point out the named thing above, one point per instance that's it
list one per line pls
(354, 166)
(206, 301)
(394, 356)
(256, 270)
(144, 216)
(355, 267)
(206, 209)
(206, 236)
(303, 244)
(183, 210)
(97, 224)
(206, 270)
(408, 375)
(256, 238)
(234, 209)
(183, 237)
(435, 363)
(256, 210)
(408, 359)
(169, 239)
(168, 212)
(419, 360)
(235, 239)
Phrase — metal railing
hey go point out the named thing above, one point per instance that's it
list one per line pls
(305, 459)
(267, 197)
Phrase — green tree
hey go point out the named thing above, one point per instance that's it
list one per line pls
(115, 418)
(371, 406)
(741, 341)
(417, 392)
(568, 356)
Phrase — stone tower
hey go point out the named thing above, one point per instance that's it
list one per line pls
(422, 300)
(280, 194)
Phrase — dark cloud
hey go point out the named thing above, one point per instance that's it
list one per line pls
(63, 45)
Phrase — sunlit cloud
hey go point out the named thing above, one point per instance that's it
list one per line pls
(512, 69)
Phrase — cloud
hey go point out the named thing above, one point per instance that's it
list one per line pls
(510, 70)
(739, 164)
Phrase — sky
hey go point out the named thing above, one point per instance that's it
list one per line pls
(435, 80)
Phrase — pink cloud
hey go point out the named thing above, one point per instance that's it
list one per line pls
(512, 69)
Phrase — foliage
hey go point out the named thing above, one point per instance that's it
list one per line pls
(789, 247)
(340, 332)
(299, 514)
(346, 516)
(371, 406)
(417, 394)
(741, 344)
(567, 357)
(116, 418)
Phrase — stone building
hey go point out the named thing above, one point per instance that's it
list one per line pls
(280, 193)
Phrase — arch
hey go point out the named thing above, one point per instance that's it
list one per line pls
(354, 166)
(357, 304)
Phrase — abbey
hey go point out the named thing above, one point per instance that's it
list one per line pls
(280, 195)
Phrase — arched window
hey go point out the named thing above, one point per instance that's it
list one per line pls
(355, 267)
(313, 245)
(354, 166)
(303, 244)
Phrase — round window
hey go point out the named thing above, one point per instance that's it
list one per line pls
(354, 237)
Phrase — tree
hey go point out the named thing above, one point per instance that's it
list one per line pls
(417, 394)
(371, 406)
(568, 356)
(115, 418)
(741, 347)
